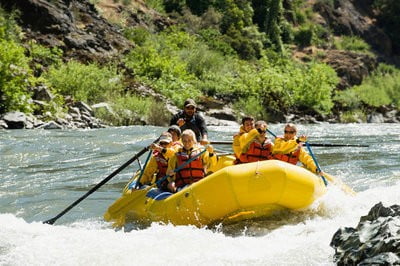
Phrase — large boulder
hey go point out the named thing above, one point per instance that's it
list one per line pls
(347, 17)
(75, 26)
(375, 240)
(351, 67)
(16, 120)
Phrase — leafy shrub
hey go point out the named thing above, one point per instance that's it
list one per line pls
(216, 41)
(381, 88)
(156, 5)
(9, 30)
(303, 36)
(314, 87)
(131, 109)
(90, 82)
(354, 116)
(43, 57)
(352, 43)
(138, 35)
(14, 77)
(251, 106)
(347, 99)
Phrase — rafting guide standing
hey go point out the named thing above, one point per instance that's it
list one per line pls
(189, 118)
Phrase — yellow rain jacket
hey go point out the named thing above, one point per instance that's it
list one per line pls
(236, 142)
(282, 146)
(152, 166)
(247, 138)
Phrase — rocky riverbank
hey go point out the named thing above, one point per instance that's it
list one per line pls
(375, 240)
(84, 34)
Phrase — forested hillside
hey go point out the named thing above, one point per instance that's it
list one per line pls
(278, 60)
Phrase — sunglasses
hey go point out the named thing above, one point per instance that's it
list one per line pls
(164, 143)
(190, 107)
(289, 132)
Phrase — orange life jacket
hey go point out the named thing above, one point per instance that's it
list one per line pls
(257, 152)
(192, 172)
(292, 157)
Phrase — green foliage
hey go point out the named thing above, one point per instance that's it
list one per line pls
(314, 87)
(138, 35)
(42, 56)
(354, 116)
(381, 88)
(352, 43)
(251, 106)
(9, 30)
(131, 109)
(216, 41)
(303, 36)
(90, 82)
(158, 63)
(348, 99)
(156, 5)
(14, 77)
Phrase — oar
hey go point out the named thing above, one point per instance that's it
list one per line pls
(316, 162)
(136, 184)
(105, 180)
(311, 144)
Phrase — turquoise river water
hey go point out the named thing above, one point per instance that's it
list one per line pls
(42, 172)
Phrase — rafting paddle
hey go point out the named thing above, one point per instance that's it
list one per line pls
(311, 144)
(105, 180)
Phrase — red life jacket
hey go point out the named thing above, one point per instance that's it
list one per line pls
(292, 157)
(192, 172)
(257, 152)
(162, 164)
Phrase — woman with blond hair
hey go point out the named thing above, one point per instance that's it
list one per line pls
(196, 169)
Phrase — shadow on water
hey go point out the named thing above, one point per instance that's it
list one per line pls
(261, 226)
(256, 227)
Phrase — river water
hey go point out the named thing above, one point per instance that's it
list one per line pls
(42, 172)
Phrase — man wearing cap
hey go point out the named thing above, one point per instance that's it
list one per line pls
(188, 118)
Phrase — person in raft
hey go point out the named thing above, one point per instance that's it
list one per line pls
(195, 170)
(176, 132)
(255, 146)
(176, 143)
(247, 125)
(189, 118)
(289, 148)
(158, 163)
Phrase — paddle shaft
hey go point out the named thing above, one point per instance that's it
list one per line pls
(105, 180)
(142, 170)
(311, 144)
(316, 162)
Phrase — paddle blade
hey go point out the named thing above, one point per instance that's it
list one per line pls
(118, 211)
(339, 183)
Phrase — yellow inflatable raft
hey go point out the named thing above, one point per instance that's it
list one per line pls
(232, 193)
